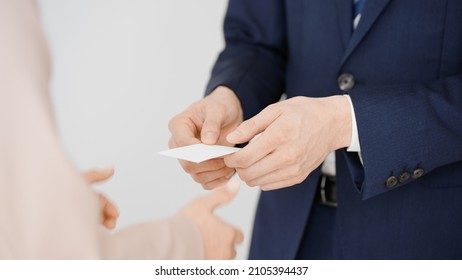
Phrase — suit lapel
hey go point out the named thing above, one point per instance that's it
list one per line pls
(345, 19)
(371, 12)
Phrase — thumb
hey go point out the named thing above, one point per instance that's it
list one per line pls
(252, 127)
(211, 127)
(222, 194)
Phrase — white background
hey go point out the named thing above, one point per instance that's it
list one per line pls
(121, 70)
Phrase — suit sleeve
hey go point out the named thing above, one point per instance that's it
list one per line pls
(253, 61)
(414, 129)
(47, 211)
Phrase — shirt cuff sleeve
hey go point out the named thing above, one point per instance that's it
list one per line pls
(354, 144)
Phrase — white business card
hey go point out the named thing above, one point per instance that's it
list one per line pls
(199, 152)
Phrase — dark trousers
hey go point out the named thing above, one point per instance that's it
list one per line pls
(321, 235)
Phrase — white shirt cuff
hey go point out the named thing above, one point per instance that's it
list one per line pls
(354, 144)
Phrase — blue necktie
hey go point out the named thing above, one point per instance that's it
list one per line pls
(359, 5)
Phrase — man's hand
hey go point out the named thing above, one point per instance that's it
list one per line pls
(219, 237)
(298, 134)
(208, 121)
(109, 212)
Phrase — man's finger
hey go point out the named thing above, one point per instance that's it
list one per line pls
(222, 194)
(184, 131)
(215, 183)
(209, 176)
(251, 127)
(98, 175)
(271, 166)
(211, 128)
(253, 152)
(208, 165)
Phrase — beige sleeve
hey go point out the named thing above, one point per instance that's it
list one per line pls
(47, 211)
(176, 238)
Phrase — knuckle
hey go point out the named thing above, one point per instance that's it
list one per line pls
(278, 138)
(286, 158)
(285, 130)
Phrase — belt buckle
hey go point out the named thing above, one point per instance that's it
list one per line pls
(322, 191)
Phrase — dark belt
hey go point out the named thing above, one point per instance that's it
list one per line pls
(327, 191)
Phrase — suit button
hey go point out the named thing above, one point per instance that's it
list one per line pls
(417, 173)
(346, 81)
(391, 182)
(404, 177)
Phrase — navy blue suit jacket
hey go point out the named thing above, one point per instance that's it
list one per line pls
(406, 57)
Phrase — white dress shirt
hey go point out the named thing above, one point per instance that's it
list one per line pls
(328, 167)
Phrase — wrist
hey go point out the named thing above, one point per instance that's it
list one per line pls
(341, 121)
